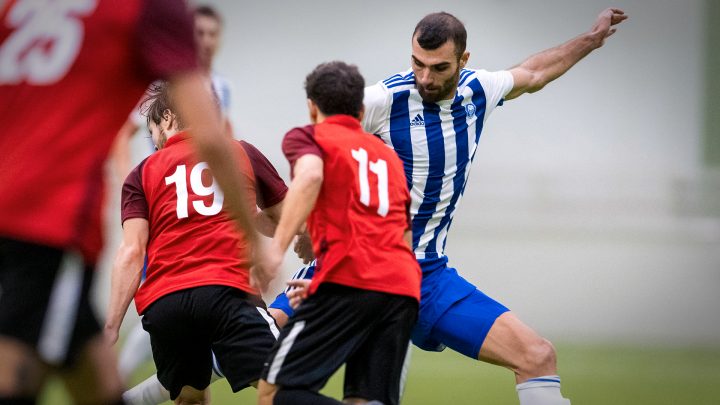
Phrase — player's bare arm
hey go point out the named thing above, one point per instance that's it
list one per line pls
(196, 104)
(544, 67)
(267, 219)
(298, 203)
(126, 273)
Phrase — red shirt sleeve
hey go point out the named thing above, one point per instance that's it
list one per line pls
(133, 203)
(269, 186)
(165, 38)
(299, 142)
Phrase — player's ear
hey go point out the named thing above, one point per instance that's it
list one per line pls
(313, 110)
(464, 58)
(361, 113)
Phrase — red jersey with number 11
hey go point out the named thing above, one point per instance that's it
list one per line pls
(361, 214)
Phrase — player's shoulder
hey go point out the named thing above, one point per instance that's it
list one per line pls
(398, 82)
(468, 77)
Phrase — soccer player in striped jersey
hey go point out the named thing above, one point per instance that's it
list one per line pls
(432, 116)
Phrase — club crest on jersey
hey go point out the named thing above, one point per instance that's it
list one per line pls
(470, 109)
(418, 121)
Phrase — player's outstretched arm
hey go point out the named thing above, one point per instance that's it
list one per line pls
(298, 203)
(542, 68)
(126, 274)
(196, 105)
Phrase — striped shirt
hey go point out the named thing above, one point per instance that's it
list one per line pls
(436, 143)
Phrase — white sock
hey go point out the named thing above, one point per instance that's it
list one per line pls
(543, 390)
(148, 392)
(135, 352)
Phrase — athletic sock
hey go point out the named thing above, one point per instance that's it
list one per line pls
(148, 392)
(543, 390)
(300, 397)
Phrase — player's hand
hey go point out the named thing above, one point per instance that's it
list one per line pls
(604, 25)
(298, 291)
(303, 248)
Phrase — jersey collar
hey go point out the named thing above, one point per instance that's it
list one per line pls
(344, 120)
(180, 136)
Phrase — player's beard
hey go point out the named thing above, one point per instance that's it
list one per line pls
(445, 92)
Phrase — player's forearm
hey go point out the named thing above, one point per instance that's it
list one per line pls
(552, 63)
(124, 282)
(298, 204)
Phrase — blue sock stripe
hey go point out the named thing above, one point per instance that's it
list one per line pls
(555, 380)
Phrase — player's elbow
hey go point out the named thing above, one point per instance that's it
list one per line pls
(129, 253)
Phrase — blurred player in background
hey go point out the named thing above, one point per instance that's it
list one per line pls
(432, 116)
(207, 31)
(364, 295)
(70, 71)
(196, 297)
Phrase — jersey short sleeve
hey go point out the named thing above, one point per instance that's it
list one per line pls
(133, 203)
(165, 38)
(377, 107)
(299, 142)
(269, 186)
(496, 86)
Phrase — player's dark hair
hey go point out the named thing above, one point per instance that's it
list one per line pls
(208, 11)
(437, 28)
(336, 88)
(158, 99)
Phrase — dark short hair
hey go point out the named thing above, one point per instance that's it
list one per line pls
(437, 28)
(336, 88)
(158, 99)
(208, 11)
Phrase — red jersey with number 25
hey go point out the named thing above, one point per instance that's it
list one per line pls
(192, 242)
(361, 213)
(70, 72)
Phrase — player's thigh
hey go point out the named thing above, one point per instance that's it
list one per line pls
(44, 308)
(181, 347)
(465, 326)
(244, 338)
(374, 371)
(325, 330)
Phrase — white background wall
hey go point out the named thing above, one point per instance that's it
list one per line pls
(576, 214)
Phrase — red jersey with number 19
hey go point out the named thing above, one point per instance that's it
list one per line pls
(192, 240)
(70, 72)
(361, 214)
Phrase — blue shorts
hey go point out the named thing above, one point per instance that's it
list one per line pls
(453, 312)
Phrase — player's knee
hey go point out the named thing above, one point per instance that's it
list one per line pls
(539, 357)
(266, 392)
(21, 373)
(191, 396)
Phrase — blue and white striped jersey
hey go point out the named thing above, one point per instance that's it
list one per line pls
(436, 142)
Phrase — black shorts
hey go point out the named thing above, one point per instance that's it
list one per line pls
(367, 330)
(44, 300)
(186, 327)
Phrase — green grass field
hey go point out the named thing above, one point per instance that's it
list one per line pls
(592, 375)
